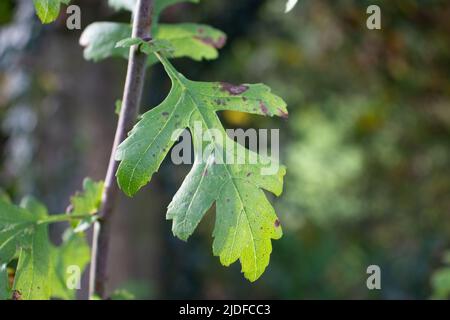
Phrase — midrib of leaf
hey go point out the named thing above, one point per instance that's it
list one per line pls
(193, 197)
(175, 75)
(46, 9)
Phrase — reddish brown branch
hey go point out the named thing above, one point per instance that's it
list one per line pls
(130, 106)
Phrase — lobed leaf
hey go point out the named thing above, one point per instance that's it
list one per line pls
(245, 220)
(87, 202)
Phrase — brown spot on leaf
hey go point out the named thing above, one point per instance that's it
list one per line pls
(220, 102)
(216, 43)
(165, 114)
(233, 89)
(205, 173)
(16, 295)
(249, 174)
(277, 223)
(283, 114)
(263, 108)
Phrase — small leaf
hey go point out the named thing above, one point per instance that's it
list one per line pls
(87, 202)
(245, 220)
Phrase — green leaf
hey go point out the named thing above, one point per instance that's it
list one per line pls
(245, 220)
(87, 202)
(73, 252)
(191, 40)
(33, 268)
(48, 10)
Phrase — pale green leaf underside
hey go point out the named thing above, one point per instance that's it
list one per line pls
(48, 10)
(245, 220)
(187, 39)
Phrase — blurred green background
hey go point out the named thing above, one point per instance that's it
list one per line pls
(366, 144)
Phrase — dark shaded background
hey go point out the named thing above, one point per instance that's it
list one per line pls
(366, 143)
